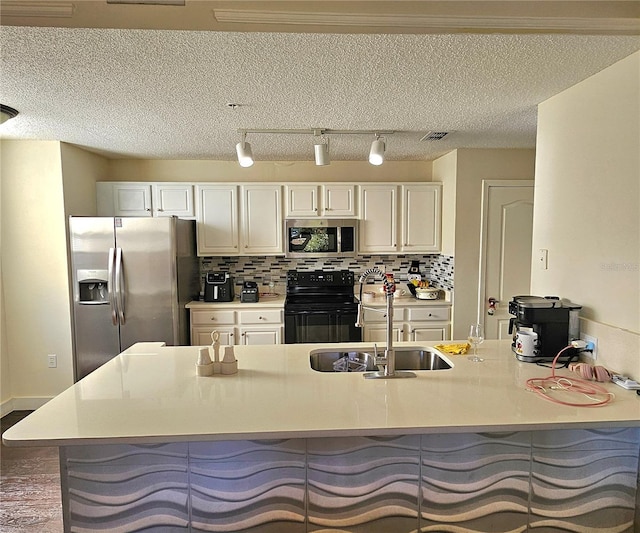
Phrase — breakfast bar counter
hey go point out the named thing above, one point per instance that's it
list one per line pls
(145, 443)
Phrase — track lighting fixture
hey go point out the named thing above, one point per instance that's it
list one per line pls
(243, 148)
(320, 145)
(321, 151)
(376, 154)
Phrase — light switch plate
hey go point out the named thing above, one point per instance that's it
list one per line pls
(543, 258)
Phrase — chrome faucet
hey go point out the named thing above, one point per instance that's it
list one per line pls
(387, 363)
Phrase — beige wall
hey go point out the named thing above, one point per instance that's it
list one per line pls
(463, 171)
(587, 205)
(34, 272)
(5, 383)
(80, 171)
(278, 171)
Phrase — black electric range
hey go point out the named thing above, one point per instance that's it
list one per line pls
(320, 307)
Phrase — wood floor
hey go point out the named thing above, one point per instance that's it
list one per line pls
(29, 486)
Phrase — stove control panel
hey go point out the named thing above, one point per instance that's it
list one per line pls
(320, 278)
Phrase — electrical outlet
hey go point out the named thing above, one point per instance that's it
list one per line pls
(53, 360)
(589, 339)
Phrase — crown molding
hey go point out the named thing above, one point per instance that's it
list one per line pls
(466, 24)
(13, 8)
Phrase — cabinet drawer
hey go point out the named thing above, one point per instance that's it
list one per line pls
(264, 316)
(207, 318)
(428, 313)
(372, 316)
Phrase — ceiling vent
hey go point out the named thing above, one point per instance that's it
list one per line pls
(435, 135)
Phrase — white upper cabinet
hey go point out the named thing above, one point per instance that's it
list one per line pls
(333, 200)
(302, 201)
(172, 200)
(378, 218)
(124, 199)
(133, 199)
(408, 223)
(421, 209)
(338, 201)
(239, 220)
(262, 222)
(217, 219)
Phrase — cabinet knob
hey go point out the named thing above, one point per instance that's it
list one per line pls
(260, 318)
(148, 209)
(213, 319)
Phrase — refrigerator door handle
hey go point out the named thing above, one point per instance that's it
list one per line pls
(119, 286)
(111, 286)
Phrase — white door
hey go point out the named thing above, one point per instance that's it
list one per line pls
(505, 251)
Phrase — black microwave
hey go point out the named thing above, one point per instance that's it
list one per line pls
(320, 237)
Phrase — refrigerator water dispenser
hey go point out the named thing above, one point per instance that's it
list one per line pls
(93, 287)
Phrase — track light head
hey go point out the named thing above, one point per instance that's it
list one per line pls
(321, 151)
(376, 154)
(243, 149)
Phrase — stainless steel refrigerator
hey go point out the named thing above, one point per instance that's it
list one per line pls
(132, 278)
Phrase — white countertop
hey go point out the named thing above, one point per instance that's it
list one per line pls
(278, 301)
(150, 394)
(265, 301)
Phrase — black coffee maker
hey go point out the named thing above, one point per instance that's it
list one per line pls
(542, 327)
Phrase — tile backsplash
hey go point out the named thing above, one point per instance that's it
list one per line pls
(436, 268)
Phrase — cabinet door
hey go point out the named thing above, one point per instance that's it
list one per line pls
(262, 226)
(132, 200)
(378, 220)
(254, 335)
(378, 334)
(217, 219)
(173, 200)
(428, 333)
(421, 218)
(302, 200)
(201, 336)
(338, 201)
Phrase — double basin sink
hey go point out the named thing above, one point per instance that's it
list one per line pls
(362, 360)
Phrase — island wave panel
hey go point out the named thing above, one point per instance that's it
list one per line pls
(363, 484)
(248, 486)
(126, 488)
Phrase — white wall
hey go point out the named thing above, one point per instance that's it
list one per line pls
(587, 207)
(34, 273)
(463, 171)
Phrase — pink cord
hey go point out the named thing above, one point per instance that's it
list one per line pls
(576, 385)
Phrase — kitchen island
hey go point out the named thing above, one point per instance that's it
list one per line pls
(144, 443)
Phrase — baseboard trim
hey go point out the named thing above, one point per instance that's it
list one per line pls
(25, 403)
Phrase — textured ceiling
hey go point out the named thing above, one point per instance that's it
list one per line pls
(163, 94)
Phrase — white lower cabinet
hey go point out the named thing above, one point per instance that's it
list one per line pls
(262, 326)
(255, 326)
(410, 323)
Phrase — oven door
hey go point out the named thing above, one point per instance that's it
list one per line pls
(317, 325)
